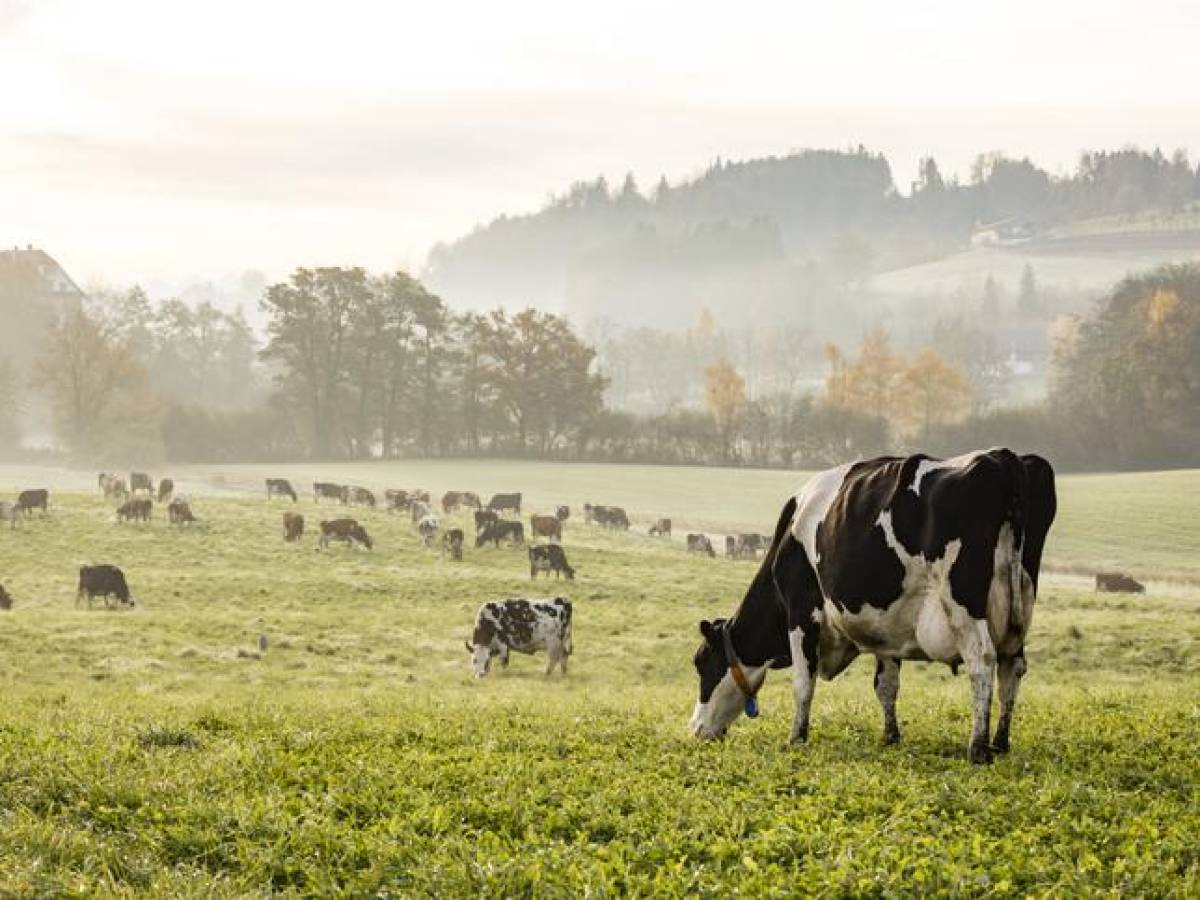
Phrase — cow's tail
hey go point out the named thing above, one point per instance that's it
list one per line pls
(1018, 503)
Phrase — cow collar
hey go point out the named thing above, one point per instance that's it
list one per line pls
(750, 692)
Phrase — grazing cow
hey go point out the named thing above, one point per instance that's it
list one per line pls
(748, 546)
(280, 487)
(661, 528)
(607, 516)
(103, 581)
(421, 496)
(179, 512)
(452, 501)
(293, 526)
(6, 601)
(499, 530)
(346, 531)
(28, 501)
(166, 490)
(397, 501)
(902, 558)
(137, 509)
(484, 518)
(525, 626)
(116, 489)
(360, 496)
(562, 513)
(428, 528)
(545, 526)
(699, 543)
(105, 481)
(550, 558)
(140, 481)
(8, 513)
(452, 543)
(418, 510)
(1118, 583)
(501, 503)
(324, 490)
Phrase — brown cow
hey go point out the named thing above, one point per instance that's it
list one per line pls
(293, 526)
(179, 512)
(545, 526)
(1118, 583)
(28, 501)
(661, 528)
(138, 509)
(452, 543)
(166, 490)
(347, 531)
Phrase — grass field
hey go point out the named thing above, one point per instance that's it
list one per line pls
(159, 751)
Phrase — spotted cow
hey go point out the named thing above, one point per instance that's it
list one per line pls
(902, 558)
(525, 626)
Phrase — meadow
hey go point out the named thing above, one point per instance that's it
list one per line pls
(160, 751)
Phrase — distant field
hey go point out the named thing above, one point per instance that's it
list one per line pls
(1145, 523)
(158, 751)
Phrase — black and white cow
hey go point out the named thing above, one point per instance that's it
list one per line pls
(550, 558)
(525, 626)
(902, 558)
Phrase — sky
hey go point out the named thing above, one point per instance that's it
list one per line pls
(160, 142)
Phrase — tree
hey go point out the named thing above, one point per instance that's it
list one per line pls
(870, 383)
(1028, 302)
(725, 397)
(99, 395)
(934, 391)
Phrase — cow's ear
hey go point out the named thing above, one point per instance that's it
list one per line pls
(709, 631)
(467, 644)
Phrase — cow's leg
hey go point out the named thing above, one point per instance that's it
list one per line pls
(553, 652)
(1010, 669)
(804, 643)
(979, 655)
(887, 688)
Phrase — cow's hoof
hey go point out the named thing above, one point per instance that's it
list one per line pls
(980, 754)
(798, 738)
(891, 737)
(1000, 744)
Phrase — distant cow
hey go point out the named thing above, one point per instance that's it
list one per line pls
(397, 500)
(179, 512)
(137, 509)
(346, 531)
(105, 481)
(607, 516)
(360, 496)
(421, 495)
(293, 526)
(452, 543)
(748, 546)
(103, 581)
(28, 501)
(501, 530)
(6, 601)
(484, 518)
(522, 625)
(8, 513)
(563, 513)
(324, 490)
(661, 528)
(166, 490)
(140, 481)
(699, 543)
(280, 487)
(452, 501)
(545, 526)
(116, 489)
(418, 510)
(1118, 583)
(550, 558)
(427, 528)
(505, 503)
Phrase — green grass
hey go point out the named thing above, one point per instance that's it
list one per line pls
(158, 751)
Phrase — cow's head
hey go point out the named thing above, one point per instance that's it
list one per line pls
(721, 700)
(360, 534)
(481, 658)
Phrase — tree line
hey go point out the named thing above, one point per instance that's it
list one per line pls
(362, 366)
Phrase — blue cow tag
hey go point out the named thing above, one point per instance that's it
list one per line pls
(752, 707)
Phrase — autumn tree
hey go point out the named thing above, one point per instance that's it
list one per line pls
(99, 394)
(932, 391)
(725, 397)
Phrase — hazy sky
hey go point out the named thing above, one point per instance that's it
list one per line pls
(160, 140)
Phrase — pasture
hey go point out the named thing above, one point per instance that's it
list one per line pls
(159, 750)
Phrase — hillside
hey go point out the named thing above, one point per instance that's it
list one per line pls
(810, 235)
